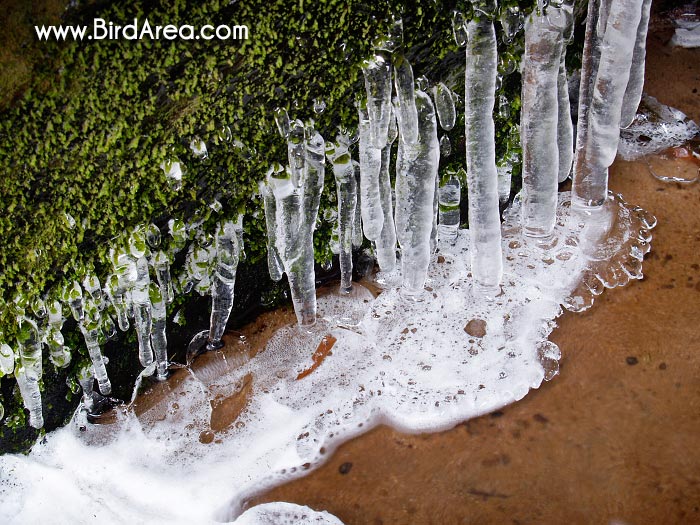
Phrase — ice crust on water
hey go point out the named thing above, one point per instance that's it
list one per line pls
(655, 128)
(687, 33)
(419, 366)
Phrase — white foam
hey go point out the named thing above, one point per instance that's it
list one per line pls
(410, 364)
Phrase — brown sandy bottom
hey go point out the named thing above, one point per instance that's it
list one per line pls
(613, 439)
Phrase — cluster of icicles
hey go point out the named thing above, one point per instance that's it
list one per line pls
(413, 213)
(139, 289)
(421, 204)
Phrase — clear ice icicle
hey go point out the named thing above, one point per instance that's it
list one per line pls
(142, 313)
(605, 74)
(633, 94)
(449, 196)
(296, 153)
(459, 29)
(282, 122)
(405, 107)
(445, 146)
(228, 252)
(370, 168)
(445, 106)
(274, 262)
(91, 284)
(116, 294)
(73, 295)
(377, 73)
(7, 360)
(159, 340)
(386, 244)
(161, 264)
(482, 178)
(357, 237)
(416, 172)
(59, 354)
(55, 315)
(28, 373)
(565, 133)
(297, 208)
(346, 189)
(86, 379)
(539, 123)
(90, 327)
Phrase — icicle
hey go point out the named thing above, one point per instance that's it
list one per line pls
(59, 354)
(436, 207)
(295, 151)
(344, 174)
(605, 74)
(282, 121)
(159, 340)
(274, 263)
(91, 284)
(178, 233)
(90, 327)
(565, 129)
(445, 146)
(484, 219)
(539, 123)
(116, 294)
(296, 213)
(7, 360)
(377, 73)
(459, 29)
(55, 313)
(386, 244)
(405, 108)
(227, 255)
(416, 172)
(445, 106)
(73, 295)
(357, 236)
(142, 313)
(449, 196)
(161, 264)
(86, 378)
(633, 94)
(28, 373)
(370, 168)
